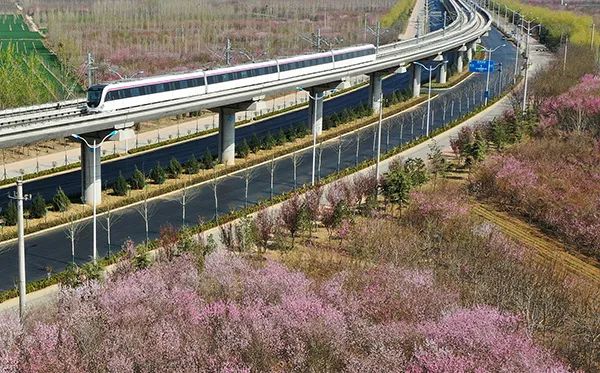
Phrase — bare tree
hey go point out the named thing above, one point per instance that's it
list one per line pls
(374, 147)
(357, 147)
(146, 211)
(72, 231)
(272, 167)
(296, 161)
(319, 164)
(184, 198)
(388, 127)
(247, 174)
(341, 145)
(214, 185)
(110, 219)
(444, 100)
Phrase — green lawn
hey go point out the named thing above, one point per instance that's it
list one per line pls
(16, 37)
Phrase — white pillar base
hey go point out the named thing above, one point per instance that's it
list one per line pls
(416, 86)
(87, 175)
(227, 136)
(315, 112)
(375, 89)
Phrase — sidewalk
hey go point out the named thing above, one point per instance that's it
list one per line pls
(192, 126)
(411, 27)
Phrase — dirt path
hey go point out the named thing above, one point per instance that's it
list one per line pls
(548, 250)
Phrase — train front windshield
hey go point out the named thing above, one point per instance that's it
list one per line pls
(94, 95)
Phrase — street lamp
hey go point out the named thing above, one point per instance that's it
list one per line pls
(487, 79)
(94, 146)
(314, 130)
(400, 70)
(431, 70)
(529, 28)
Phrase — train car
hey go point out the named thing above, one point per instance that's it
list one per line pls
(127, 94)
(254, 74)
(141, 92)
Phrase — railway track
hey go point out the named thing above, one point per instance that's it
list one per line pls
(55, 110)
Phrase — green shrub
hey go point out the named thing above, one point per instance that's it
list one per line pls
(158, 174)
(192, 166)
(254, 143)
(208, 160)
(174, 168)
(138, 180)
(10, 214)
(60, 201)
(120, 186)
(281, 137)
(244, 149)
(269, 141)
(38, 207)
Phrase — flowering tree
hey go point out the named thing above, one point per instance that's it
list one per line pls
(576, 110)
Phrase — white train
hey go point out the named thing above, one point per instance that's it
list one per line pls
(128, 94)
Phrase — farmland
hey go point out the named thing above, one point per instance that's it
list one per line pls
(29, 72)
(158, 36)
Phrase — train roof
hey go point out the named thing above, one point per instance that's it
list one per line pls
(200, 73)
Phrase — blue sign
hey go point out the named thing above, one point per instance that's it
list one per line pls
(482, 66)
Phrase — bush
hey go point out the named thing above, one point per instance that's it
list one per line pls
(281, 137)
(158, 174)
(208, 160)
(244, 149)
(138, 180)
(269, 141)
(192, 166)
(120, 186)
(174, 168)
(254, 143)
(60, 201)
(10, 214)
(38, 207)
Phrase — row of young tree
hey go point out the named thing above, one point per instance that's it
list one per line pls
(334, 206)
(174, 169)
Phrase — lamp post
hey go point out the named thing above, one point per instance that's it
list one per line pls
(487, 79)
(430, 70)
(94, 146)
(20, 197)
(315, 99)
(525, 86)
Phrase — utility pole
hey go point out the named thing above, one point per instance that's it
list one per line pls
(377, 32)
(593, 34)
(19, 197)
(90, 69)
(228, 52)
(565, 56)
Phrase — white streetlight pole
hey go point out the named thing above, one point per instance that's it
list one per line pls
(430, 70)
(377, 167)
(94, 146)
(529, 29)
(517, 50)
(487, 79)
(19, 197)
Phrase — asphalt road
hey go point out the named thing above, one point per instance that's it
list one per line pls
(52, 248)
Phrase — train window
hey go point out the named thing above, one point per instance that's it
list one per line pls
(134, 92)
(183, 84)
